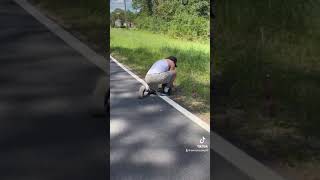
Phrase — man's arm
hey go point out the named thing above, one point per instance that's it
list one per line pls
(172, 66)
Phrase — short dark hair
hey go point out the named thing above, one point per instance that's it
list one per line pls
(174, 59)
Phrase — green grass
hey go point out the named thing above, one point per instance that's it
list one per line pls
(86, 17)
(140, 49)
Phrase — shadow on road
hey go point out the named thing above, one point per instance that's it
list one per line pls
(148, 137)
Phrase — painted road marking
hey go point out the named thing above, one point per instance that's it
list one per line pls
(237, 157)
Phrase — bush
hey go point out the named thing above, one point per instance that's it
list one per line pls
(182, 26)
(189, 26)
(189, 21)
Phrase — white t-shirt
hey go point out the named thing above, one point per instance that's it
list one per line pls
(159, 67)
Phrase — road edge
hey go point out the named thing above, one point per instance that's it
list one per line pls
(241, 160)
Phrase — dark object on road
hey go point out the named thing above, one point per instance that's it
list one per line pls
(144, 92)
(165, 90)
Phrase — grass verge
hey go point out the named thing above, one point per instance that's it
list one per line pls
(140, 49)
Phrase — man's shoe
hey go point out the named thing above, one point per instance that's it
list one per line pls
(167, 91)
(164, 94)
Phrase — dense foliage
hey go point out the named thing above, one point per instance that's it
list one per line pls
(272, 15)
(120, 14)
(190, 20)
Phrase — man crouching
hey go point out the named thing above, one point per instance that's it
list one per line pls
(162, 72)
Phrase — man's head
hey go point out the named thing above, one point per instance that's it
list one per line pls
(174, 59)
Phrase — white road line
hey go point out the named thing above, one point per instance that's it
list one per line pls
(185, 112)
(232, 154)
(131, 73)
(68, 38)
(241, 160)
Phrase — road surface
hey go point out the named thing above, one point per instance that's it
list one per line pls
(149, 138)
(46, 129)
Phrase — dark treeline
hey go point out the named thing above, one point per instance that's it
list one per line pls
(266, 59)
(271, 16)
(93, 6)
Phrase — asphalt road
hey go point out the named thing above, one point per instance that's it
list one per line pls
(46, 128)
(149, 138)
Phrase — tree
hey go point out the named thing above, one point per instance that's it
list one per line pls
(115, 15)
(144, 6)
(130, 17)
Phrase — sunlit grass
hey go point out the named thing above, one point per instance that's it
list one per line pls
(140, 49)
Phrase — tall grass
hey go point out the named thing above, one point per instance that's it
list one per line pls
(140, 49)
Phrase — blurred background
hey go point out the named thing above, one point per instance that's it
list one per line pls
(267, 81)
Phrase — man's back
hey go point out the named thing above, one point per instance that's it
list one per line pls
(159, 67)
